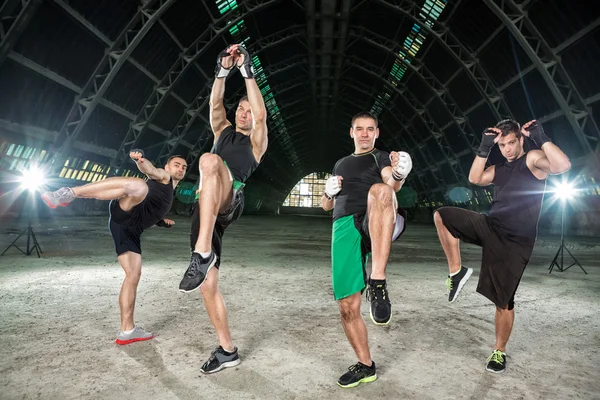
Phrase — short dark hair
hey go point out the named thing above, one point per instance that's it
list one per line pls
(175, 156)
(364, 114)
(508, 126)
(244, 98)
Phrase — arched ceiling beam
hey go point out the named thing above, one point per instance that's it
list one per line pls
(53, 76)
(111, 63)
(552, 71)
(109, 43)
(14, 17)
(519, 75)
(467, 61)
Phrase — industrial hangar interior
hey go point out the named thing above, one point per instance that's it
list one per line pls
(83, 84)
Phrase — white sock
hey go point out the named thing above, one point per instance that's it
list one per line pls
(454, 273)
(129, 331)
(204, 255)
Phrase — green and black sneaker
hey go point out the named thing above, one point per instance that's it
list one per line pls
(455, 283)
(358, 373)
(496, 362)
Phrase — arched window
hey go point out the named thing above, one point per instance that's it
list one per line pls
(307, 192)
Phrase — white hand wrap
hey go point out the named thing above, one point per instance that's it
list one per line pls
(404, 166)
(332, 187)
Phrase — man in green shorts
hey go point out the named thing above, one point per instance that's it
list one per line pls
(366, 220)
(235, 155)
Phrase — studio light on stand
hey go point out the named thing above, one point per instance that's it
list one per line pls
(565, 192)
(31, 180)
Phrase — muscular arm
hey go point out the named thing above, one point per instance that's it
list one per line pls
(157, 174)
(259, 115)
(550, 160)
(218, 115)
(480, 176)
(386, 175)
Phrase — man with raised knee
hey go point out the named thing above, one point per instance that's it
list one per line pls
(507, 235)
(236, 154)
(135, 205)
(366, 220)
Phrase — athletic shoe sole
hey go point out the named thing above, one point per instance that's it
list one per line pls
(129, 341)
(204, 280)
(363, 380)
(49, 204)
(462, 283)
(380, 323)
(494, 371)
(228, 364)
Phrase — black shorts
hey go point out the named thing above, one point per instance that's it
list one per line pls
(233, 212)
(504, 259)
(125, 227)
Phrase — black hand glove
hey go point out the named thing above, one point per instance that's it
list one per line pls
(220, 70)
(536, 133)
(487, 142)
(246, 69)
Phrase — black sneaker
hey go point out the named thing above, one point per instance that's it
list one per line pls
(220, 359)
(496, 363)
(381, 308)
(358, 373)
(196, 273)
(456, 282)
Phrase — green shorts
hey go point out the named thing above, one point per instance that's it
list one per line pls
(350, 250)
(348, 258)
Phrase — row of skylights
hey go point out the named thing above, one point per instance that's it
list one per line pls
(430, 12)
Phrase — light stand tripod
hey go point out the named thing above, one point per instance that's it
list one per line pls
(31, 239)
(562, 248)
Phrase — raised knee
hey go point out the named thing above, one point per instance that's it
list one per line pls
(209, 163)
(136, 188)
(381, 194)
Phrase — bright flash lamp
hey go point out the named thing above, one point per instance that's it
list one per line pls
(32, 179)
(565, 191)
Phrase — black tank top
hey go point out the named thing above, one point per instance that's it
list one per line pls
(235, 149)
(158, 202)
(517, 199)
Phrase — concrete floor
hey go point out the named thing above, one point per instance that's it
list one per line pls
(60, 315)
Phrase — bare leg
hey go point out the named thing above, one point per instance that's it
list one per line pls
(382, 218)
(450, 244)
(215, 307)
(355, 328)
(215, 196)
(504, 323)
(112, 188)
(132, 265)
